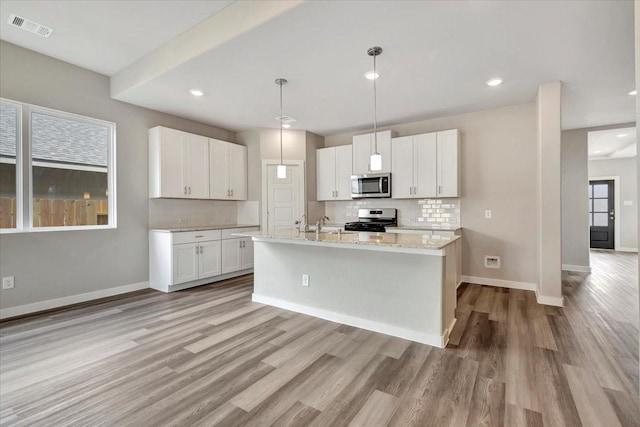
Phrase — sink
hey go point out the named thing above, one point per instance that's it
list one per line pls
(331, 232)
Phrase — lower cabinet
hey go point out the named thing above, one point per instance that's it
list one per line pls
(179, 260)
(237, 254)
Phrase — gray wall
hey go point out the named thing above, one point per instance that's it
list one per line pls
(499, 172)
(52, 265)
(575, 202)
(627, 216)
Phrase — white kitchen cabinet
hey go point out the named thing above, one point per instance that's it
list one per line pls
(414, 166)
(448, 163)
(364, 146)
(178, 164)
(228, 170)
(426, 165)
(182, 259)
(333, 169)
(237, 253)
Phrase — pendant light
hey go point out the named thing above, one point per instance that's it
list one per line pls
(281, 171)
(376, 158)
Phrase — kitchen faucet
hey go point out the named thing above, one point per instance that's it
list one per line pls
(302, 224)
(320, 223)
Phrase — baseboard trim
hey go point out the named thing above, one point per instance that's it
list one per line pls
(358, 322)
(623, 249)
(35, 307)
(576, 268)
(499, 283)
(547, 300)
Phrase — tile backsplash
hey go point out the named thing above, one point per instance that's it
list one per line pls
(433, 213)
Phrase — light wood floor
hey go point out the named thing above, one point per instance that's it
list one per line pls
(208, 356)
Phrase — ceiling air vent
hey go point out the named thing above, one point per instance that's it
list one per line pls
(286, 119)
(32, 27)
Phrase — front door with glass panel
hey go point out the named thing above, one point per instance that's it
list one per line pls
(601, 214)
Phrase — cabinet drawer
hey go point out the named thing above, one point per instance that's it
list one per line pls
(229, 233)
(195, 236)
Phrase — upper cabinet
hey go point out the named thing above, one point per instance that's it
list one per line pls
(178, 164)
(414, 166)
(334, 173)
(228, 170)
(364, 146)
(187, 166)
(448, 163)
(426, 165)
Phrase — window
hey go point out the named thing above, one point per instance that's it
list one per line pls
(70, 160)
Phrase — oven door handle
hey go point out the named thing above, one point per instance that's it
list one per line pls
(380, 185)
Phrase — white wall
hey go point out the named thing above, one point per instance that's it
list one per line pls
(52, 265)
(499, 172)
(627, 215)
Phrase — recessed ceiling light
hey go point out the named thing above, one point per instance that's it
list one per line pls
(371, 75)
(494, 82)
(286, 126)
(621, 135)
(633, 92)
(598, 152)
(196, 92)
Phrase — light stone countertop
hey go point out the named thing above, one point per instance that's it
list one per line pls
(415, 243)
(202, 227)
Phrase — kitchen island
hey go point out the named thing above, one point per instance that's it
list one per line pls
(397, 284)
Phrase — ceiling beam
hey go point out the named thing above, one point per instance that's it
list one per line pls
(232, 21)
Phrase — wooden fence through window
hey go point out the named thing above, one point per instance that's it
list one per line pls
(57, 212)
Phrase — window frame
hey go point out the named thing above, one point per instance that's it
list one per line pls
(25, 163)
(19, 169)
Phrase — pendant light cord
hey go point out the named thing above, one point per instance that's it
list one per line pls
(375, 106)
(281, 123)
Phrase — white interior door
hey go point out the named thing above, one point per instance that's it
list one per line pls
(283, 198)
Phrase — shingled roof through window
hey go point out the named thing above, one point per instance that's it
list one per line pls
(56, 139)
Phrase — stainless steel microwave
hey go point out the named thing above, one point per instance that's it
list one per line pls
(371, 185)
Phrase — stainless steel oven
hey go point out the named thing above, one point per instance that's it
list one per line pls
(371, 185)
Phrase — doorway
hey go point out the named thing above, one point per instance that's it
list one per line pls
(283, 200)
(602, 214)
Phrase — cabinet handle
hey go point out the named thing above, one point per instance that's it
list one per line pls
(196, 249)
(189, 189)
(439, 189)
(231, 193)
(336, 194)
(185, 189)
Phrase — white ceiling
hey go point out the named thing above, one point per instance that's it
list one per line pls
(437, 57)
(104, 36)
(612, 144)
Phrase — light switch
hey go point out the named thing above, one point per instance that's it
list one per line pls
(487, 213)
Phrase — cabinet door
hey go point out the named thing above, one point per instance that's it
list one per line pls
(425, 176)
(247, 253)
(448, 158)
(326, 173)
(197, 165)
(185, 263)
(361, 154)
(231, 256)
(343, 172)
(384, 148)
(218, 169)
(402, 175)
(237, 171)
(173, 182)
(209, 259)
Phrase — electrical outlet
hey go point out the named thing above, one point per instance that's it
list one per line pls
(305, 280)
(487, 213)
(8, 282)
(492, 261)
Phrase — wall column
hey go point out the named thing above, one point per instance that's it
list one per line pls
(549, 115)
